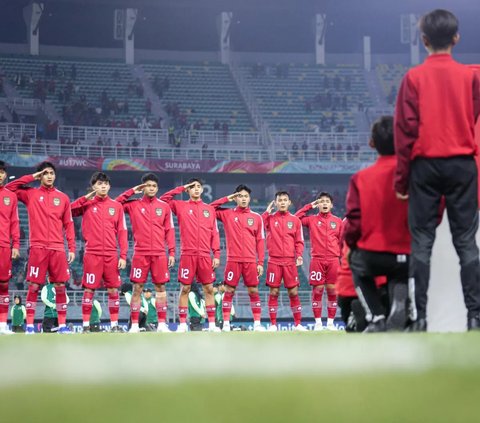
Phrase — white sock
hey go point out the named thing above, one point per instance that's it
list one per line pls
(86, 324)
(211, 325)
(113, 324)
(3, 325)
(226, 324)
(318, 321)
(61, 326)
(330, 321)
(256, 323)
(182, 325)
(161, 325)
(30, 326)
(134, 325)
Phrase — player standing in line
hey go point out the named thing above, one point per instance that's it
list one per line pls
(48, 215)
(245, 242)
(285, 253)
(198, 236)
(152, 226)
(325, 232)
(9, 230)
(103, 221)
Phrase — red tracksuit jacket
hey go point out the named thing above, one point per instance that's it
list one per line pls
(48, 214)
(437, 105)
(376, 220)
(325, 232)
(198, 225)
(103, 220)
(9, 221)
(152, 224)
(243, 231)
(284, 237)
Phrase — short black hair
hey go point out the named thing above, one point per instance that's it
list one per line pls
(382, 136)
(439, 27)
(243, 187)
(148, 290)
(280, 193)
(99, 176)
(45, 165)
(149, 177)
(192, 180)
(3, 166)
(126, 287)
(324, 194)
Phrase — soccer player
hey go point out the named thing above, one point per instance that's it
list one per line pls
(49, 215)
(325, 232)
(152, 226)
(245, 242)
(9, 231)
(102, 223)
(285, 253)
(376, 231)
(437, 106)
(198, 236)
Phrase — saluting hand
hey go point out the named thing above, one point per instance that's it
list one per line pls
(315, 204)
(139, 188)
(38, 175)
(271, 206)
(91, 194)
(189, 185)
(232, 197)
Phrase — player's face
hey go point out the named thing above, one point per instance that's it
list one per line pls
(325, 205)
(3, 177)
(151, 189)
(196, 191)
(102, 188)
(48, 178)
(283, 203)
(243, 199)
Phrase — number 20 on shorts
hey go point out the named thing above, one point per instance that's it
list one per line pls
(315, 276)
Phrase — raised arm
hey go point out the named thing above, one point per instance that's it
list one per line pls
(302, 213)
(168, 197)
(18, 187)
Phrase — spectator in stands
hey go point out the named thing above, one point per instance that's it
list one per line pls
(148, 106)
(135, 142)
(339, 150)
(340, 128)
(332, 150)
(225, 131)
(295, 149)
(333, 120)
(61, 96)
(140, 90)
(308, 107)
(166, 83)
(73, 71)
(305, 145)
(336, 83)
(197, 126)
(204, 151)
(11, 137)
(356, 148)
(344, 103)
(216, 125)
(360, 104)
(104, 96)
(51, 87)
(2, 117)
(349, 152)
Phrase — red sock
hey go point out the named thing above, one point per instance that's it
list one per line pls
(61, 304)
(331, 303)
(4, 301)
(87, 305)
(272, 308)
(256, 306)
(182, 314)
(317, 301)
(161, 308)
(113, 305)
(31, 304)
(135, 311)
(296, 309)
(211, 310)
(227, 305)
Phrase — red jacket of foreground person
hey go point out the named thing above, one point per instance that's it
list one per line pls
(9, 221)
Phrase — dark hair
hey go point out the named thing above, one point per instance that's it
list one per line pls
(99, 176)
(382, 136)
(280, 193)
(243, 187)
(126, 287)
(3, 166)
(148, 290)
(149, 177)
(192, 180)
(324, 194)
(45, 165)
(19, 299)
(439, 28)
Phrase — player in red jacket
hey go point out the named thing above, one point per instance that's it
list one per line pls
(9, 230)
(198, 237)
(285, 247)
(103, 221)
(48, 215)
(245, 242)
(152, 226)
(325, 232)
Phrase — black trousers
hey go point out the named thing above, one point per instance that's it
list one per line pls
(48, 323)
(151, 327)
(94, 327)
(366, 266)
(455, 179)
(18, 329)
(196, 324)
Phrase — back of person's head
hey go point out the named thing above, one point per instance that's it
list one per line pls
(149, 177)
(439, 27)
(3, 166)
(126, 287)
(99, 176)
(45, 165)
(243, 187)
(382, 136)
(192, 180)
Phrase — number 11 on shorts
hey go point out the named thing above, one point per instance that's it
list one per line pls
(271, 277)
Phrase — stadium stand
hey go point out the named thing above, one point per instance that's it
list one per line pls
(390, 77)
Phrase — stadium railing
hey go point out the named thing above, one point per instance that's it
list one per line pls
(19, 129)
(360, 138)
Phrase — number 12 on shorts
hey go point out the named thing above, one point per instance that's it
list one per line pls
(184, 273)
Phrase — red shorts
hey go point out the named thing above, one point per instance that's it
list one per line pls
(96, 268)
(323, 272)
(41, 260)
(276, 272)
(233, 271)
(5, 264)
(194, 266)
(141, 265)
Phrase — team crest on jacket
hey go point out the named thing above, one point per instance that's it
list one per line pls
(333, 225)
(159, 212)
(290, 225)
(6, 201)
(206, 213)
(250, 222)
(111, 211)
(56, 202)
